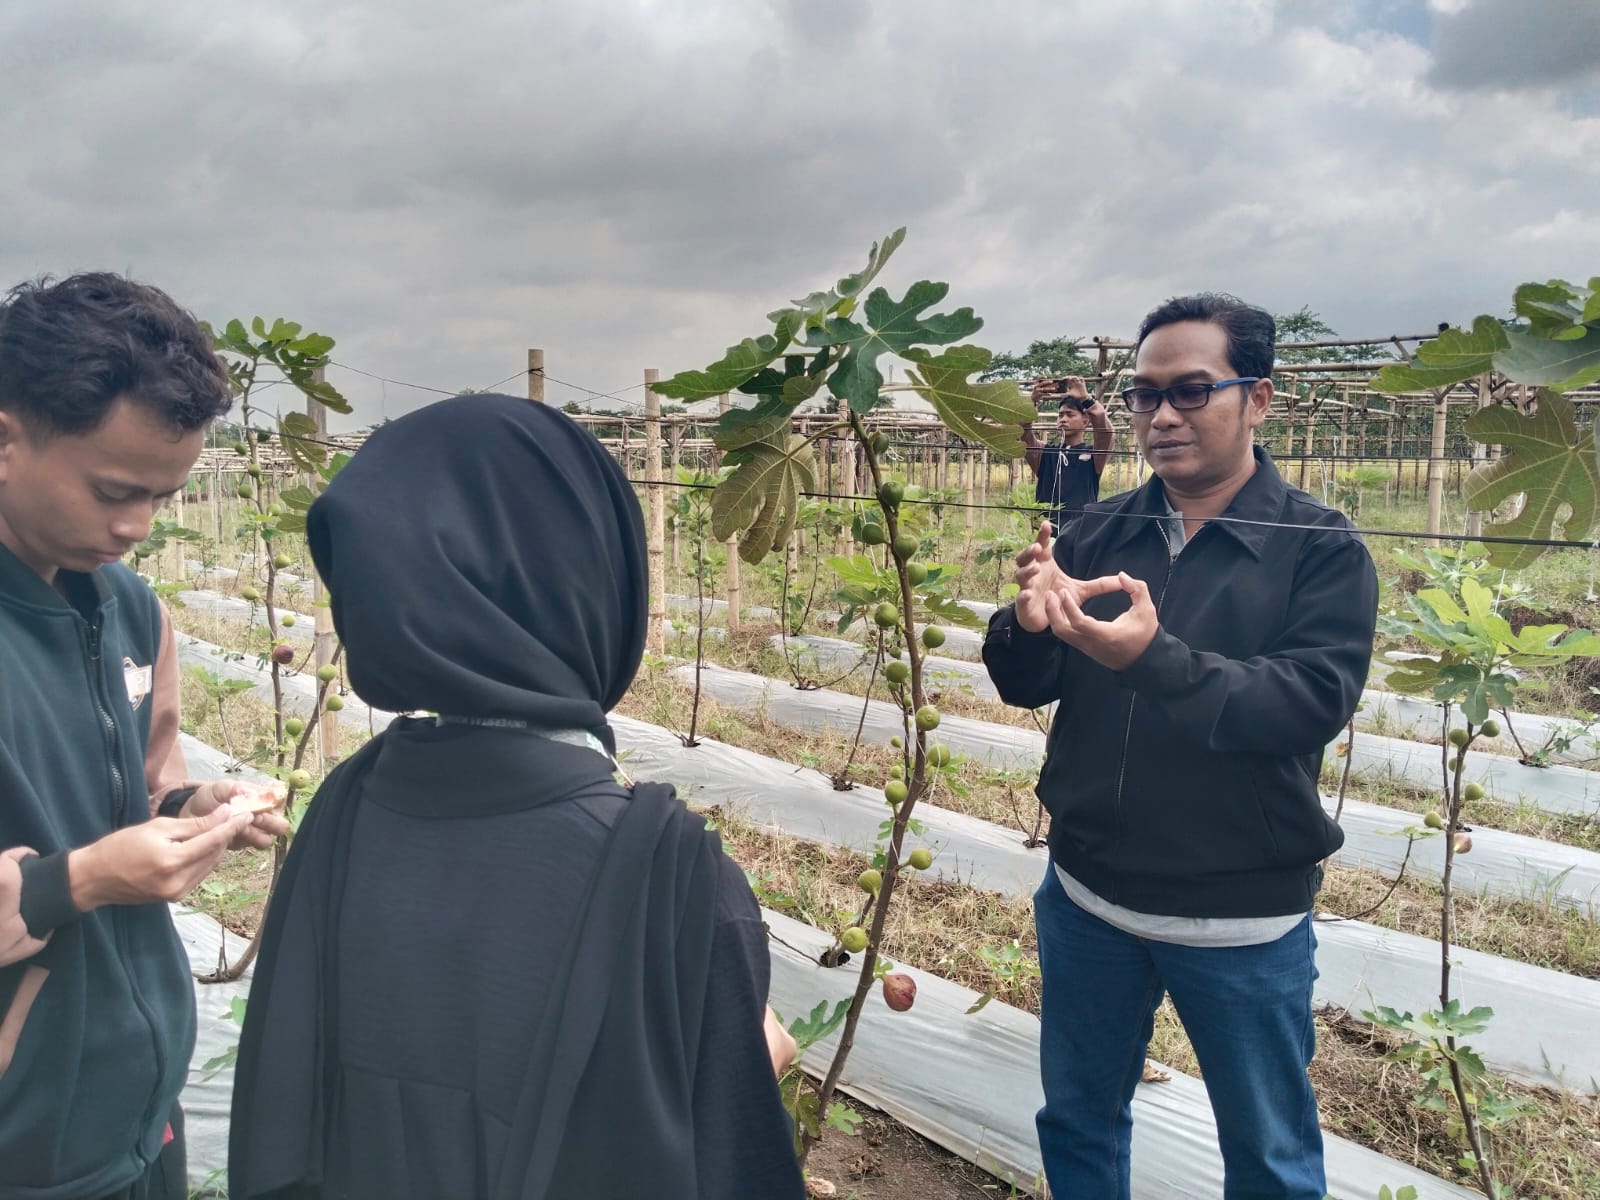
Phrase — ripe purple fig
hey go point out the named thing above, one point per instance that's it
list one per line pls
(899, 991)
(283, 654)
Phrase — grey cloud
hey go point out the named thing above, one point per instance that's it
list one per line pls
(1516, 44)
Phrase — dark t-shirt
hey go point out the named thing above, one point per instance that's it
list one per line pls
(1067, 481)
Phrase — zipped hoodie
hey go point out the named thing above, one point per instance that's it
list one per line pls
(1186, 784)
(97, 1017)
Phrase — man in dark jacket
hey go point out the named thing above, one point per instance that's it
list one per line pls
(1206, 636)
(106, 388)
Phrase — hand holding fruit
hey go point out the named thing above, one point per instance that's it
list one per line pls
(161, 859)
(263, 801)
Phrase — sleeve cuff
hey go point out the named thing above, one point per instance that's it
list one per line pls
(1009, 633)
(172, 804)
(1162, 668)
(46, 898)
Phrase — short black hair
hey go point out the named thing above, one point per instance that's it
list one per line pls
(1252, 333)
(71, 349)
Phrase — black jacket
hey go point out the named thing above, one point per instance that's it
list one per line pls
(104, 1044)
(1186, 784)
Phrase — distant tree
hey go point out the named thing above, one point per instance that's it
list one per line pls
(1042, 360)
(572, 408)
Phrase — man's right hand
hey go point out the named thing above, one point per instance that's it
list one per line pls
(159, 859)
(1037, 574)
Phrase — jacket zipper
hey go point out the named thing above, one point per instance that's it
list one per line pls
(119, 795)
(1133, 697)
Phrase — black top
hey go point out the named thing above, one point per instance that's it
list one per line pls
(1186, 784)
(1067, 481)
(489, 970)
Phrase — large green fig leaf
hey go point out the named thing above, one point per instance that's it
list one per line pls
(893, 327)
(761, 500)
(1455, 355)
(991, 414)
(1548, 462)
(841, 298)
(742, 427)
(737, 365)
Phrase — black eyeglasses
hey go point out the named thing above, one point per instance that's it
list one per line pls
(1180, 395)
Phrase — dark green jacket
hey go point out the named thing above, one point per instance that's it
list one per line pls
(96, 1011)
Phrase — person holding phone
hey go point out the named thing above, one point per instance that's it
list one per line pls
(1067, 476)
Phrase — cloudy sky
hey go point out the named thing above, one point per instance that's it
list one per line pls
(633, 183)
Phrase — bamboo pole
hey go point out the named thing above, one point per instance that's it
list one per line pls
(325, 642)
(656, 530)
(674, 445)
(1480, 455)
(1441, 412)
(536, 375)
(731, 571)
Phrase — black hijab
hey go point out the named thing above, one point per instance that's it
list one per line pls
(485, 559)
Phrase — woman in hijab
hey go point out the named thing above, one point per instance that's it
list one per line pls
(491, 970)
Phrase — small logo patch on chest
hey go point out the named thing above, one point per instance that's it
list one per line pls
(139, 681)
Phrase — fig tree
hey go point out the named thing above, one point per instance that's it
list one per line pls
(870, 880)
(897, 672)
(899, 991)
(854, 939)
(921, 858)
(895, 792)
(886, 615)
(927, 718)
(932, 637)
(327, 673)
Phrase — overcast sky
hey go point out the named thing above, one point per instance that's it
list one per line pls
(634, 183)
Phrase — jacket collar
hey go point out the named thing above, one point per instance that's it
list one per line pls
(1260, 500)
(22, 582)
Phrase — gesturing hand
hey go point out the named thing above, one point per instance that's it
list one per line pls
(159, 859)
(1049, 598)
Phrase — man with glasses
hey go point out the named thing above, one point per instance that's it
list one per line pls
(1067, 477)
(1206, 636)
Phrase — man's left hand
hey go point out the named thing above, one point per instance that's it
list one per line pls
(1113, 644)
(268, 824)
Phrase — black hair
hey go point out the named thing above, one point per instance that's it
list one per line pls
(1252, 333)
(71, 349)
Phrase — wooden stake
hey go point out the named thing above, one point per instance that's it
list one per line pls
(656, 529)
(1441, 412)
(536, 375)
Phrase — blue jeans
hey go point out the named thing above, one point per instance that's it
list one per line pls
(1247, 1011)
